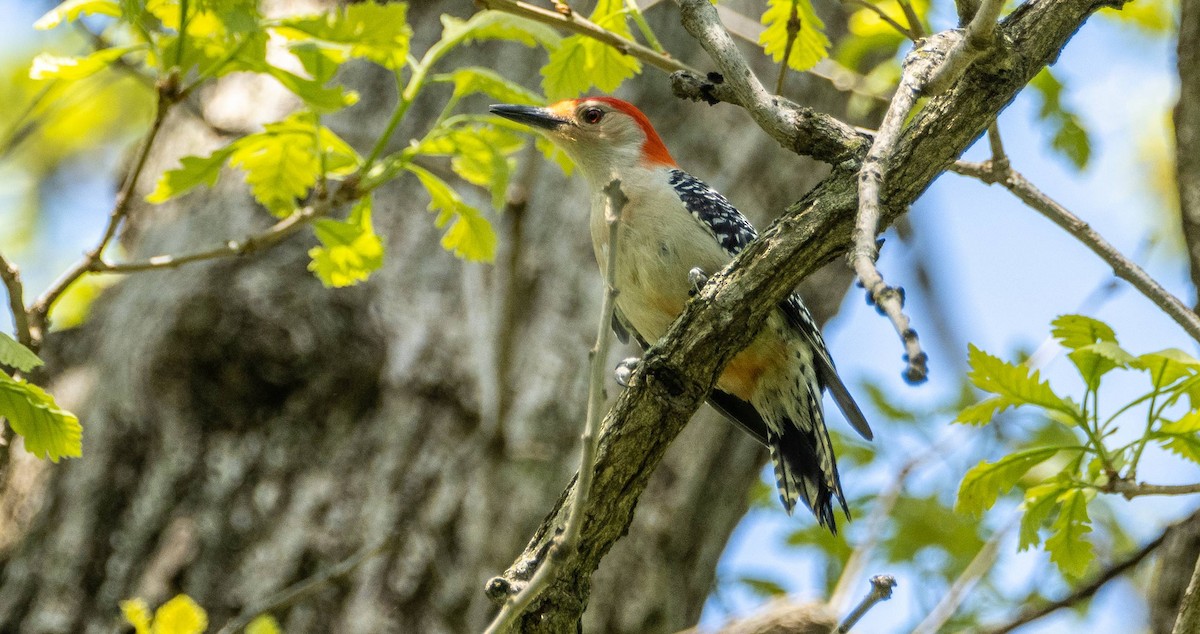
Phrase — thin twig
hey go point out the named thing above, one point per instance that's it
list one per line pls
(1029, 614)
(1188, 621)
(1137, 489)
(881, 590)
(796, 128)
(297, 591)
(906, 32)
(793, 30)
(250, 244)
(979, 566)
(1123, 267)
(978, 38)
(914, 21)
(11, 276)
(40, 309)
(566, 541)
(572, 21)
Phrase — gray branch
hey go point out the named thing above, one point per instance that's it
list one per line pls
(676, 373)
(1187, 133)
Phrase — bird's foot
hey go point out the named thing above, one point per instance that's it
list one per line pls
(624, 370)
(697, 278)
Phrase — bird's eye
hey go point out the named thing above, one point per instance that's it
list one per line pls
(593, 115)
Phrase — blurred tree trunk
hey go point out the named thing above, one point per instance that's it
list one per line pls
(1177, 557)
(246, 428)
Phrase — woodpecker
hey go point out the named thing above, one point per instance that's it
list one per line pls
(674, 230)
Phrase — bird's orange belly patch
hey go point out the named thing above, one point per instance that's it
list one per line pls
(742, 375)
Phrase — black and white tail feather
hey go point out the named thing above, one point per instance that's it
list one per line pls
(801, 452)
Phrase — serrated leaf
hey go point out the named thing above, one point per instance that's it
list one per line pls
(137, 614)
(554, 154)
(180, 615)
(473, 79)
(1185, 446)
(1189, 423)
(70, 11)
(321, 98)
(15, 355)
(1040, 502)
(192, 172)
(983, 412)
(579, 62)
(470, 236)
(987, 480)
(1167, 366)
(1014, 385)
(281, 163)
(1077, 331)
(320, 62)
(810, 44)
(1068, 546)
(479, 154)
(1069, 136)
(1095, 360)
(49, 431)
(377, 32)
(497, 25)
(47, 66)
(350, 251)
(264, 624)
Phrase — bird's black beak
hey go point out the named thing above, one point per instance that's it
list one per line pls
(530, 115)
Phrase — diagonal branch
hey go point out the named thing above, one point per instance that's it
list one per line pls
(676, 374)
(1122, 266)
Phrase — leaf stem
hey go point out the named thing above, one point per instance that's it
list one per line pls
(1150, 417)
(644, 27)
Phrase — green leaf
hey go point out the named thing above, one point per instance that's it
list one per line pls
(1188, 424)
(497, 25)
(320, 62)
(1068, 546)
(1069, 137)
(180, 615)
(264, 624)
(1077, 331)
(49, 431)
(281, 162)
(471, 236)
(47, 66)
(15, 355)
(479, 154)
(579, 62)
(810, 45)
(137, 614)
(377, 32)
(72, 9)
(1013, 386)
(321, 98)
(192, 172)
(472, 79)
(1040, 502)
(1167, 366)
(1095, 360)
(880, 401)
(763, 587)
(1186, 446)
(927, 523)
(986, 480)
(350, 251)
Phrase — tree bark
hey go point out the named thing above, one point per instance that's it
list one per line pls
(246, 428)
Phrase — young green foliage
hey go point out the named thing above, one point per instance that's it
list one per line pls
(794, 20)
(470, 236)
(350, 250)
(49, 431)
(578, 63)
(180, 615)
(1057, 495)
(15, 355)
(1069, 137)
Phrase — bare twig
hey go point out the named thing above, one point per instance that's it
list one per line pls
(974, 571)
(881, 590)
(572, 21)
(39, 311)
(1123, 267)
(566, 541)
(914, 21)
(1188, 621)
(1030, 614)
(11, 276)
(978, 38)
(1132, 490)
(796, 128)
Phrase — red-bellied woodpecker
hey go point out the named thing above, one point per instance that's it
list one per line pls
(675, 229)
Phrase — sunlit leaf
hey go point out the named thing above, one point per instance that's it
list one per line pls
(473, 79)
(479, 154)
(578, 63)
(497, 25)
(49, 431)
(264, 624)
(1013, 385)
(473, 237)
(15, 355)
(987, 480)
(47, 66)
(281, 162)
(810, 44)
(1068, 546)
(72, 9)
(1095, 360)
(377, 32)
(180, 615)
(192, 172)
(137, 614)
(350, 251)
(1040, 503)
(1076, 331)
(1167, 366)
(1068, 134)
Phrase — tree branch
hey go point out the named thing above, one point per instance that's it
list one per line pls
(572, 21)
(676, 373)
(1187, 134)
(11, 276)
(798, 129)
(568, 540)
(881, 590)
(1123, 267)
(1030, 614)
